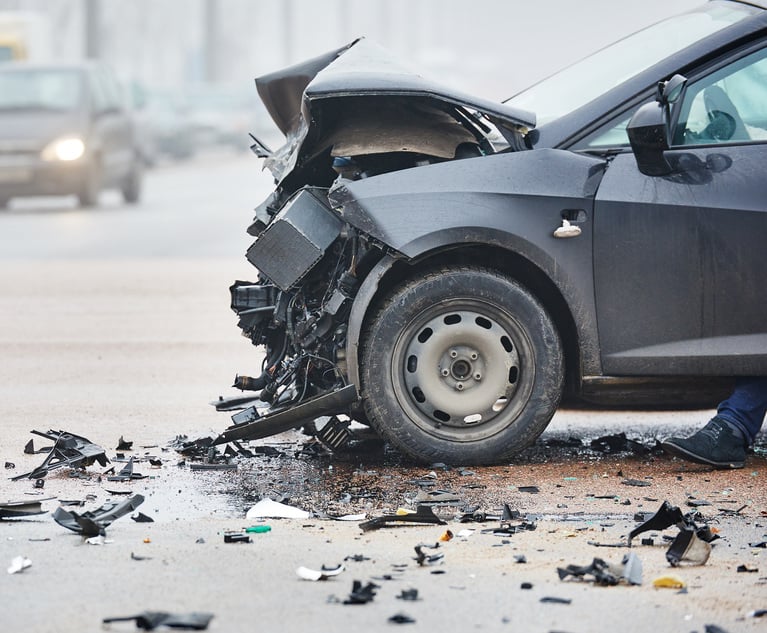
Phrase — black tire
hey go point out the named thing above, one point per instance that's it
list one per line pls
(90, 190)
(131, 185)
(463, 366)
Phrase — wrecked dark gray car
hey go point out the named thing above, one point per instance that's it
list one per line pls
(446, 268)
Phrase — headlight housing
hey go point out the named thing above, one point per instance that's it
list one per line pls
(65, 149)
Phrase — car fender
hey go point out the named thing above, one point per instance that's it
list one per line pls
(513, 202)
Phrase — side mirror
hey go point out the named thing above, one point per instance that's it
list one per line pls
(649, 128)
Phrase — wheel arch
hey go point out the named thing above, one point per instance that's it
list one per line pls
(390, 271)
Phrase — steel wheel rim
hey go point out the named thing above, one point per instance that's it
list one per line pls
(463, 369)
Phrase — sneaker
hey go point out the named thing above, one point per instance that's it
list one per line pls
(716, 444)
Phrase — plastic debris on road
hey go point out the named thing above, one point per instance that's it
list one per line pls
(150, 620)
(95, 522)
(322, 574)
(269, 509)
(19, 564)
(423, 514)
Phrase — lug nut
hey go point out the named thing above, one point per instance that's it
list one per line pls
(477, 376)
(453, 353)
(445, 373)
(459, 386)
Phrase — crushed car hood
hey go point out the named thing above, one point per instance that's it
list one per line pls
(360, 69)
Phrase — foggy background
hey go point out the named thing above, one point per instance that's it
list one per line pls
(492, 48)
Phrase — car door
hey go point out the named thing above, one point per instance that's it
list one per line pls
(680, 260)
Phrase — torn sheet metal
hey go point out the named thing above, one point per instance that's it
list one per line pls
(150, 620)
(68, 449)
(423, 514)
(95, 522)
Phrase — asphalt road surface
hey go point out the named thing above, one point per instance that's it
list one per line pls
(115, 322)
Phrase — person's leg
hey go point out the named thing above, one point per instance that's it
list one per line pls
(746, 407)
(723, 441)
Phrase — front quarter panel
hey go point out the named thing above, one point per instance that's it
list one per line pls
(511, 201)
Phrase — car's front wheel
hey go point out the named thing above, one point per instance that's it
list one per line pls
(461, 365)
(90, 189)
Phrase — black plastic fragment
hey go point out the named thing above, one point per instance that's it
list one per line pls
(555, 600)
(16, 509)
(123, 445)
(666, 516)
(427, 559)
(140, 517)
(95, 522)
(423, 514)
(410, 595)
(150, 620)
(713, 628)
(236, 537)
(68, 449)
(401, 618)
(361, 594)
(598, 568)
(618, 443)
(126, 473)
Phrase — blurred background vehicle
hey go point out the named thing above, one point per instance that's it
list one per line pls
(222, 116)
(66, 129)
(164, 126)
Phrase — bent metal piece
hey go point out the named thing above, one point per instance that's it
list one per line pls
(253, 427)
(94, 522)
(70, 450)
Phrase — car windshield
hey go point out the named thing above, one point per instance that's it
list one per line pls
(591, 77)
(40, 90)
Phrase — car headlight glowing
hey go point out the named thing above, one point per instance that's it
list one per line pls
(70, 148)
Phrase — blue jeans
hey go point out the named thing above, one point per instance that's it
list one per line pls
(746, 406)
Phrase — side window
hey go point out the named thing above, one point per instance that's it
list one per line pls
(729, 105)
